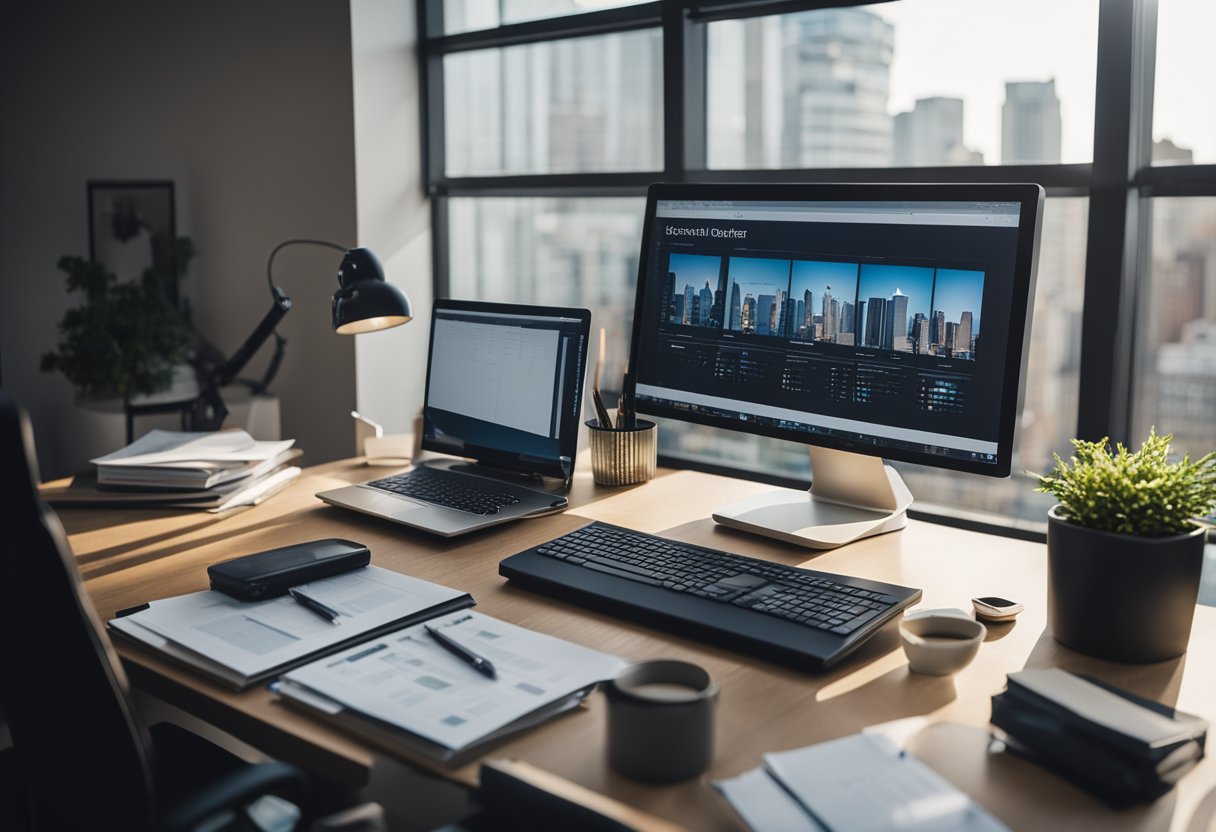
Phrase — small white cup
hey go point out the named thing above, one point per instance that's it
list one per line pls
(940, 642)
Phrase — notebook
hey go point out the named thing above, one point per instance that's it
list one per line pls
(242, 643)
(504, 393)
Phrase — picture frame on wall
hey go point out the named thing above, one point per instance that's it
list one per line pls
(132, 225)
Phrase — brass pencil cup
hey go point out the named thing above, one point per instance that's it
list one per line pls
(623, 457)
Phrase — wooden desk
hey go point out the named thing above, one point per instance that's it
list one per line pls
(131, 556)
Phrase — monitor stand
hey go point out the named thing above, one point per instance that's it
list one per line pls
(851, 496)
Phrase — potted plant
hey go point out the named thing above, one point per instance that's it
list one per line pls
(126, 338)
(1124, 548)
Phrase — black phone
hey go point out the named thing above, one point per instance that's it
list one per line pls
(271, 573)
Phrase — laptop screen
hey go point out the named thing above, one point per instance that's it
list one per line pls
(505, 384)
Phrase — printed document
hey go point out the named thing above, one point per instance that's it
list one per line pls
(406, 680)
(244, 641)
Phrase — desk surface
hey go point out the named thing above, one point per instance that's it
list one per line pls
(131, 556)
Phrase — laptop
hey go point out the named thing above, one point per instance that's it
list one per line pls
(504, 393)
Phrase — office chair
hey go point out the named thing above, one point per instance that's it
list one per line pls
(80, 756)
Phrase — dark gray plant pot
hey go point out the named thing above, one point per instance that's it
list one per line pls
(1121, 597)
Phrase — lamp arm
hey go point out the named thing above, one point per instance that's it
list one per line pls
(296, 242)
(280, 306)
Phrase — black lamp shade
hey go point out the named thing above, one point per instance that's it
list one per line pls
(366, 301)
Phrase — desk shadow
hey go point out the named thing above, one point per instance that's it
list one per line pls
(1204, 819)
(1159, 681)
(997, 630)
(716, 536)
(89, 572)
(1022, 794)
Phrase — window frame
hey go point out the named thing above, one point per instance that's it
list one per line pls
(1119, 182)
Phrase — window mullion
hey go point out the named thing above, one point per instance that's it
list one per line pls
(1124, 79)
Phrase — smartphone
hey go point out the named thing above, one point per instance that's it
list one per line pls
(271, 573)
(992, 608)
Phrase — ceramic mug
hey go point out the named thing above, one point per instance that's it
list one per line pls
(940, 642)
(661, 721)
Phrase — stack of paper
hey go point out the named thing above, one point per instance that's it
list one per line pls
(215, 471)
(240, 643)
(405, 692)
(1120, 747)
(860, 783)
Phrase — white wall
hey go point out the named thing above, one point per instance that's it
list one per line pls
(394, 214)
(248, 107)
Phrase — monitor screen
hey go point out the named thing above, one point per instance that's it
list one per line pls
(887, 320)
(504, 384)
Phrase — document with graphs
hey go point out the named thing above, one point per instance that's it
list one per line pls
(407, 692)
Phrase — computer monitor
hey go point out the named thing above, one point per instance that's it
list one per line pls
(866, 321)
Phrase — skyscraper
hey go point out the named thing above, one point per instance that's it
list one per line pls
(690, 297)
(963, 338)
(706, 305)
(749, 314)
(669, 291)
(920, 336)
(765, 307)
(931, 133)
(836, 66)
(895, 329)
(875, 322)
(736, 308)
(1030, 123)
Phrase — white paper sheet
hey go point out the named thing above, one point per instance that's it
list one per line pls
(167, 447)
(252, 638)
(407, 680)
(865, 783)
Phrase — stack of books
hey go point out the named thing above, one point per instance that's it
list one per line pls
(1120, 747)
(215, 471)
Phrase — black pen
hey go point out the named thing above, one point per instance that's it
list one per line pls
(601, 412)
(328, 613)
(481, 664)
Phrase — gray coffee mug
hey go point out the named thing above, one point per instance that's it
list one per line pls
(661, 721)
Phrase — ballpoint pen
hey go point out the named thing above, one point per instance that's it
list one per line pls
(481, 664)
(327, 612)
(601, 412)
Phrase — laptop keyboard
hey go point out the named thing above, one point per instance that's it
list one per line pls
(444, 489)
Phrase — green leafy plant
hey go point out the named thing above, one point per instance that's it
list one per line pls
(1137, 493)
(126, 337)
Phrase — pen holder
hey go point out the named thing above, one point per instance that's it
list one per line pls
(623, 457)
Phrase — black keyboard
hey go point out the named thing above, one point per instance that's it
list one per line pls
(810, 619)
(444, 489)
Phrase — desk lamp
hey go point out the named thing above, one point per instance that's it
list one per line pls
(364, 302)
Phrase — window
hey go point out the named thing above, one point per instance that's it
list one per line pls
(881, 86)
(546, 119)
(1184, 96)
(1177, 378)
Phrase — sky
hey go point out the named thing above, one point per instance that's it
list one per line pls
(914, 281)
(758, 276)
(957, 291)
(988, 43)
(815, 275)
(694, 269)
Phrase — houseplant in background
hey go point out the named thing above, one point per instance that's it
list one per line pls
(1124, 549)
(126, 338)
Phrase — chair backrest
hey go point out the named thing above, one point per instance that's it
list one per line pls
(82, 754)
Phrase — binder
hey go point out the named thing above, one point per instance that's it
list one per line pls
(1122, 748)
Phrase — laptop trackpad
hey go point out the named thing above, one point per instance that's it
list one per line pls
(389, 506)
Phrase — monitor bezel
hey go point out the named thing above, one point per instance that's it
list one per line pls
(1029, 196)
(569, 426)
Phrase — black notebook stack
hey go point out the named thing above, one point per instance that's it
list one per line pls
(1120, 747)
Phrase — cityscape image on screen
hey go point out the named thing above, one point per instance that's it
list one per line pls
(916, 309)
